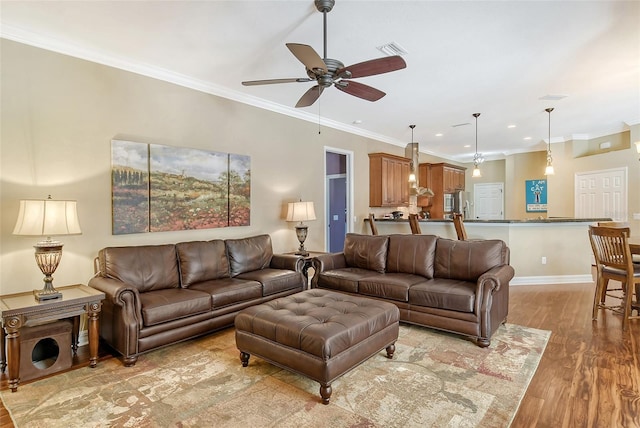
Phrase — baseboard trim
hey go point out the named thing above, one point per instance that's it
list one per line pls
(556, 279)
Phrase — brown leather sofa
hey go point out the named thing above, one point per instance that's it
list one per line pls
(456, 286)
(157, 295)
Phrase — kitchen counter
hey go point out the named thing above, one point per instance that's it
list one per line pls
(466, 221)
(543, 251)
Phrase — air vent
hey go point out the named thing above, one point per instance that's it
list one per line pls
(460, 124)
(391, 49)
(553, 97)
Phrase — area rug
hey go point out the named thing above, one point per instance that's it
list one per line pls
(434, 379)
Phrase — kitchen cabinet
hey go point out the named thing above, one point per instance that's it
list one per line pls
(388, 180)
(441, 178)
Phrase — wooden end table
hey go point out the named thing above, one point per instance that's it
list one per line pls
(307, 263)
(23, 310)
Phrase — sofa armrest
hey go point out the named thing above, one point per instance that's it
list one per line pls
(492, 280)
(326, 262)
(287, 261)
(121, 319)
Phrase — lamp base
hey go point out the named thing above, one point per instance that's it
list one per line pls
(42, 295)
(301, 233)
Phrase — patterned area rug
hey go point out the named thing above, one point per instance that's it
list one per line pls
(435, 379)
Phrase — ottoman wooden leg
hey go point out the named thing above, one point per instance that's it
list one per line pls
(325, 393)
(390, 350)
(244, 357)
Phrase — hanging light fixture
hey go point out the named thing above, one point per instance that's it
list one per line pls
(477, 158)
(412, 173)
(549, 169)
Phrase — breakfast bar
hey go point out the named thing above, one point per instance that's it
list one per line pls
(543, 251)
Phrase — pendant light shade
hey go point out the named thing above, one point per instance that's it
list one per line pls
(477, 157)
(549, 168)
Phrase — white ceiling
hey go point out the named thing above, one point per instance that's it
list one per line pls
(497, 58)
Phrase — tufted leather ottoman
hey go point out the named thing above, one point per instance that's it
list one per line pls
(317, 333)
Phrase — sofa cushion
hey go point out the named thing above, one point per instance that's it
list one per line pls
(275, 280)
(345, 279)
(202, 261)
(467, 260)
(450, 294)
(159, 306)
(229, 291)
(414, 254)
(366, 251)
(394, 286)
(145, 267)
(249, 254)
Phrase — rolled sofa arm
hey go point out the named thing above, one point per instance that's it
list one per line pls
(121, 316)
(287, 261)
(325, 262)
(494, 278)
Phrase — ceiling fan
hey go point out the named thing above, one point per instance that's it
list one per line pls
(326, 71)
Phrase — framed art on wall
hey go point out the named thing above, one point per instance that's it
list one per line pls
(536, 196)
(157, 188)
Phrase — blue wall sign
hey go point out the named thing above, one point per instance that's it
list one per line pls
(536, 193)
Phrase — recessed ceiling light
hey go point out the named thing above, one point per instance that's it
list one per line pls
(439, 135)
(527, 138)
(511, 126)
(466, 146)
(357, 122)
(553, 97)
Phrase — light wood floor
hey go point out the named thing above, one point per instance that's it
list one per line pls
(589, 375)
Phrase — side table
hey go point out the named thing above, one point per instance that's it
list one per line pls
(22, 310)
(307, 263)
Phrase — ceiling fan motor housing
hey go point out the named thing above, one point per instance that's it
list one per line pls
(324, 5)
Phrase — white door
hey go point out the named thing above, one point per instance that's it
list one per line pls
(601, 194)
(488, 201)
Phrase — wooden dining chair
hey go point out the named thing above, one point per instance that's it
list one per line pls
(372, 225)
(414, 224)
(634, 257)
(459, 225)
(613, 262)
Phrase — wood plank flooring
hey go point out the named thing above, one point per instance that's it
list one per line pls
(589, 375)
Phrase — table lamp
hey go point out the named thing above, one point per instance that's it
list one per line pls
(47, 217)
(301, 211)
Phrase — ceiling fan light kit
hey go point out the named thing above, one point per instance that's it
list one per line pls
(329, 72)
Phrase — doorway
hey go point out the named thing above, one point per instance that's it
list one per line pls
(338, 199)
(602, 194)
(488, 201)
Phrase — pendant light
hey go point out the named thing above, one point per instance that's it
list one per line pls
(477, 158)
(412, 173)
(549, 169)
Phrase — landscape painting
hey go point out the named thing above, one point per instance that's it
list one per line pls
(130, 187)
(185, 188)
(239, 190)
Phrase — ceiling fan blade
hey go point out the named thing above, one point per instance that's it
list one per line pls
(359, 90)
(373, 66)
(308, 57)
(273, 81)
(310, 96)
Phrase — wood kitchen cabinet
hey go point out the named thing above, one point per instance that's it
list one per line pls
(441, 178)
(388, 180)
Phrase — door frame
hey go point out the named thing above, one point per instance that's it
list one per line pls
(350, 191)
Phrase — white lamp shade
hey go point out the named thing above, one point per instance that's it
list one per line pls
(300, 211)
(47, 217)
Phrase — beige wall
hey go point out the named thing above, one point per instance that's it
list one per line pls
(59, 115)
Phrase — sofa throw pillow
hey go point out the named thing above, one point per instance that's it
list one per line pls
(467, 260)
(414, 254)
(366, 251)
(146, 267)
(202, 261)
(249, 254)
